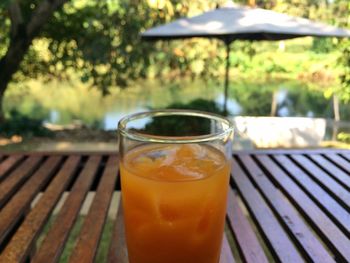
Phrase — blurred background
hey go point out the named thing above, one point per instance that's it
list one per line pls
(70, 70)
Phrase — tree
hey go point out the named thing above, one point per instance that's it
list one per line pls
(97, 41)
(59, 38)
(22, 32)
(94, 40)
(342, 10)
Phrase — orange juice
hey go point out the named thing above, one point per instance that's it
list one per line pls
(174, 199)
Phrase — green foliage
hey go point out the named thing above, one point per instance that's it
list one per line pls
(345, 76)
(344, 137)
(4, 3)
(74, 102)
(322, 45)
(302, 103)
(198, 104)
(184, 126)
(99, 42)
(22, 125)
(344, 58)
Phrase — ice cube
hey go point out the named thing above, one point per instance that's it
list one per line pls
(192, 151)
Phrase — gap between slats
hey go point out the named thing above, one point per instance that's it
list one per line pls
(16, 179)
(346, 156)
(339, 161)
(332, 170)
(74, 176)
(274, 235)
(329, 184)
(10, 164)
(15, 209)
(91, 232)
(244, 235)
(54, 241)
(288, 216)
(327, 203)
(331, 235)
(74, 230)
(24, 239)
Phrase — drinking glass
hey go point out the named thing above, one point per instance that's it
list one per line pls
(175, 167)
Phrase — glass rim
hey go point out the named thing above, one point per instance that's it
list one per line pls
(144, 137)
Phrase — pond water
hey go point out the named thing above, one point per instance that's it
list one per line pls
(63, 103)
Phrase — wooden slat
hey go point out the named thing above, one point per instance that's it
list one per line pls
(324, 208)
(346, 155)
(336, 189)
(86, 248)
(313, 249)
(317, 193)
(117, 249)
(246, 239)
(9, 164)
(54, 242)
(341, 162)
(226, 252)
(293, 151)
(22, 242)
(67, 153)
(336, 173)
(19, 204)
(331, 234)
(274, 234)
(11, 184)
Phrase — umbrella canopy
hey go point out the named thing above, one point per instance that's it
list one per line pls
(235, 22)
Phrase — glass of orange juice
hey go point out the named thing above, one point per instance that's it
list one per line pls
(175, 167)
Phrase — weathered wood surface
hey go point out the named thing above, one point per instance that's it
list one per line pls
(283, 206)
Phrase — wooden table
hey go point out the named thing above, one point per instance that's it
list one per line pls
(284, 206)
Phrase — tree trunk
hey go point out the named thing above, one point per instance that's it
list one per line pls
(336, 119)
(336, 111)
(227, 76)
(274, 104)
(9, 64)
(2, 116)
(251, 3)
(21, 37)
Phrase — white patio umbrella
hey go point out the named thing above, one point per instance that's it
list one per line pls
(233, 22)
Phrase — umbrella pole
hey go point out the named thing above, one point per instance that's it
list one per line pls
(226, 75)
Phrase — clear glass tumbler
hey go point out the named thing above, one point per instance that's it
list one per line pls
(175, 167)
